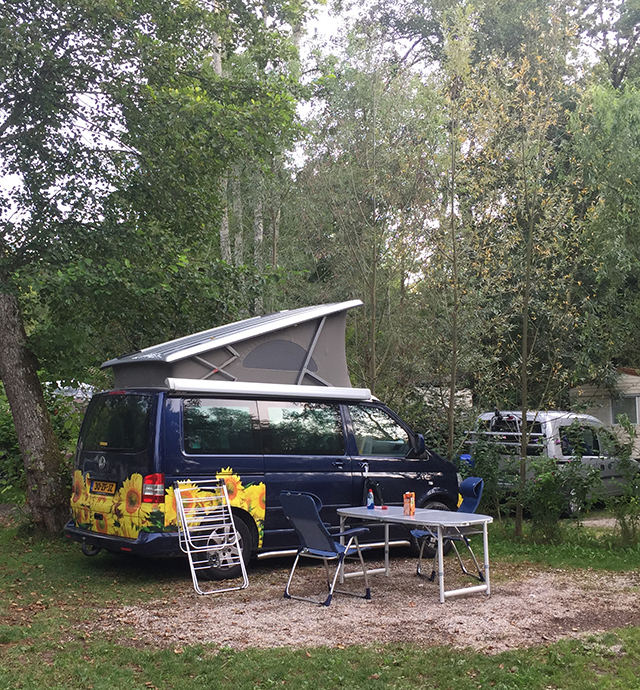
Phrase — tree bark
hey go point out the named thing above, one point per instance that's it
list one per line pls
(47, 495)
(236, 191)
(225, 243)
(524, 365)
(258, 236)
(451, 411)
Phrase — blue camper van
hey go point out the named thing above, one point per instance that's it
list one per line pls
(265, 404)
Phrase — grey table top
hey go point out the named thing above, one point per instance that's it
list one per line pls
(422, 516)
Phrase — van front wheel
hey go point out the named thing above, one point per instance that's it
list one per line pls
(224, 561)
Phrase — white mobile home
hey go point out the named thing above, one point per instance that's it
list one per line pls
(607, 403)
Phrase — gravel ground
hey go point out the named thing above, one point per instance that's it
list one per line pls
(528, 606)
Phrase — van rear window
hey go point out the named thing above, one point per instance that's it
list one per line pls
(117, 422)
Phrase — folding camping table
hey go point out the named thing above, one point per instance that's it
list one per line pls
(442, 523)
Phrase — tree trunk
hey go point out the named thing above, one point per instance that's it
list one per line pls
(524, 366)
(48, 498)
(258, 236)
(236, 191)
(275, 231)
(225, 243)
(451, 411)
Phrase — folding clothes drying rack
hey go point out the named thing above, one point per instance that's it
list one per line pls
(207, 532)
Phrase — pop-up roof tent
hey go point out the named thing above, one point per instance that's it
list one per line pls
(298, 347)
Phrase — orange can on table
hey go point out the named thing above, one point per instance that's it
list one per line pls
(409, 503)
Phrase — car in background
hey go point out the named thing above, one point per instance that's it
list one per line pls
(560, 435)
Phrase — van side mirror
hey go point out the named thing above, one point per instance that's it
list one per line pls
(419, 446)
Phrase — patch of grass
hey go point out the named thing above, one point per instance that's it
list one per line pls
(48, 587)
(580, 548)
(612, 662)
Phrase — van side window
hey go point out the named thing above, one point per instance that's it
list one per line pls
(579, 440)
(223, 427)
(302, 428)
(377, 433)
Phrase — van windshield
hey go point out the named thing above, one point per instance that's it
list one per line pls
(117, 421)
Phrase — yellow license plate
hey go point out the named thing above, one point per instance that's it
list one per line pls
(107, 488)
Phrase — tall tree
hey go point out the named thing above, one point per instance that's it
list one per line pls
(605, 154)
(367, 182)
(527, 222)
(115, 120)
(611, 29)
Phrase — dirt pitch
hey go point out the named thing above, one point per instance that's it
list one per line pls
(528, 606)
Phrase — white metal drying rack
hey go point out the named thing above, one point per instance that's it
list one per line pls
(207, 532)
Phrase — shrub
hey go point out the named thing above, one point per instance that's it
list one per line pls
(553, 489)
(499, 474)
(66, 416)
(625, 507)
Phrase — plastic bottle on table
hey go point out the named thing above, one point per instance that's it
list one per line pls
(370, 502)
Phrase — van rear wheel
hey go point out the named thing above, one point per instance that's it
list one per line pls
(431, 543)
(223, 562)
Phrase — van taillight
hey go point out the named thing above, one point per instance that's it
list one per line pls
(153, 488)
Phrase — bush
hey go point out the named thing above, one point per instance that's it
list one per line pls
(499, 473)
(66, 416)
(553, 490)
(11, 467)
(625, 508)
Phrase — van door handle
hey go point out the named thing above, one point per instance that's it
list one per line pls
(339, 464)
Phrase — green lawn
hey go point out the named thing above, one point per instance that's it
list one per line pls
(48, 588)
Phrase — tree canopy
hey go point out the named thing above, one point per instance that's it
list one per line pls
(468, 171)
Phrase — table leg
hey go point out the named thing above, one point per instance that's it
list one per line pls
(386, 549)
(485, 547)
(440, 564)
(343, 524)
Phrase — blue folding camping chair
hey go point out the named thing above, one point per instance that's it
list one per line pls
(303, 512)
(471, 492)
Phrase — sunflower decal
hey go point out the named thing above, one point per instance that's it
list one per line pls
(79, 487)
(255, 498)
(170, 512)
(125, 515)
(102, 523)
(233, 482)
(132, 494)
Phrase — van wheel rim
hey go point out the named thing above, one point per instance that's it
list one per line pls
(227, 556)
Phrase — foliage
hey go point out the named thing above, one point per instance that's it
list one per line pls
(605, 152)
(554, 489)
(92, 310)
(626, 506)
(462, 227)
(66, 412)
(117, 123)
(363, 192)
(611, 30)
(497, 470)
(11, 468)
(137, 205)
